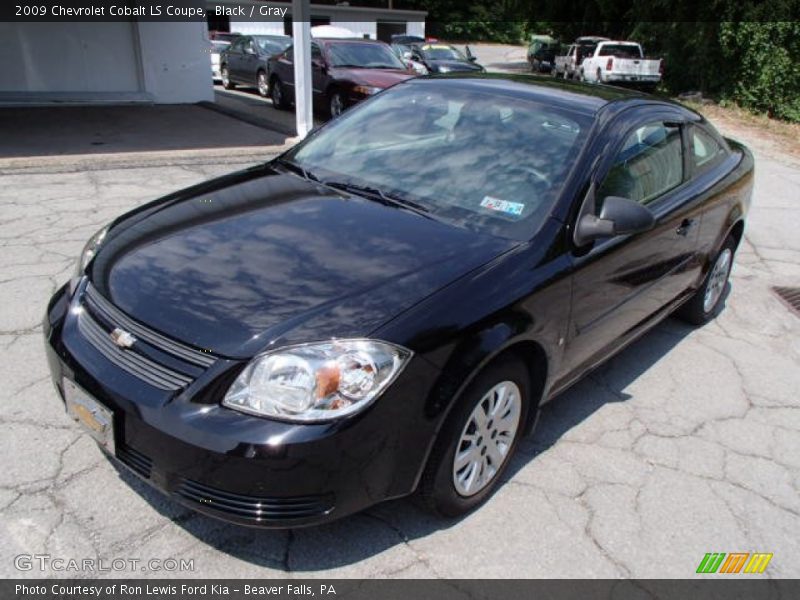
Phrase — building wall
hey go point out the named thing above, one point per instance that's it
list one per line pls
(105, 62)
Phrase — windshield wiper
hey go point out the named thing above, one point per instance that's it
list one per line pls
(381, 196)
(295, 168)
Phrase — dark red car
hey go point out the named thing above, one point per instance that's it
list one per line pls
(344, 72)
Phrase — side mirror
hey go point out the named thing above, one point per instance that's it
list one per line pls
(472, 58)
(318, 64)
(618, 216)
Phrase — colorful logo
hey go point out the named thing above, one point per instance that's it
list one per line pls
(736, 562)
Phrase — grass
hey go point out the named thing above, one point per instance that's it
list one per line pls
(785, 135)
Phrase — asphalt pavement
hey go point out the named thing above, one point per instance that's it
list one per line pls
(687, 442)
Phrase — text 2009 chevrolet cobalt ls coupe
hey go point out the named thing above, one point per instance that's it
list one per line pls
(384, 308)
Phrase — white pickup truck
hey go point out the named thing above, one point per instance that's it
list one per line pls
(621, 62)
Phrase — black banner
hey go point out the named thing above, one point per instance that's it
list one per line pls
(733, 588)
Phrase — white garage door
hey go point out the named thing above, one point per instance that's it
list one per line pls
(53, 59)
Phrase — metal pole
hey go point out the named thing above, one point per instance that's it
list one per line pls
(301, 32)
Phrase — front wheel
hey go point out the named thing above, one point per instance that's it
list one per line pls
(278, 96)
(709, 300)
(262, 84)
(336, 104)
(476, 443)
(225, 75)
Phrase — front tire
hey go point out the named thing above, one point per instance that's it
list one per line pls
(262, 84)
(226, 78)
(336, 104)
(709, 300)
(278, 95)
(476, 444)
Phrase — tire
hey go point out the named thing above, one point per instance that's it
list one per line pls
(709, 300)
(336, 103)
(445, 486)
(278, 95)
(599, 76)
(262, 83)
(226, 78)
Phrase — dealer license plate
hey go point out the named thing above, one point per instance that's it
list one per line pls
(96, 418)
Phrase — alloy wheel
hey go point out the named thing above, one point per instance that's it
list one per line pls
(263, 87)
(337, 105)
(717, 280)
(487, 438)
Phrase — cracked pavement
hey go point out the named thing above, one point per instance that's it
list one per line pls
(685, 443)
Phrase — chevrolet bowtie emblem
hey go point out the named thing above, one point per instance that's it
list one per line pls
(122, 338)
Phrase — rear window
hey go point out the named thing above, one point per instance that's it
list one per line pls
(620, 51)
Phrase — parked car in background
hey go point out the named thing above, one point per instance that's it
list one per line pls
(542, 52)
(621, 63)
(444, 58)
(402, 38)
(343, 72)
(568, 65)
(384, 308)
(223, 36)
(405, 53)
(246, 61)
(215, 49)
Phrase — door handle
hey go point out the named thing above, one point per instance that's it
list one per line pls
(685, 226)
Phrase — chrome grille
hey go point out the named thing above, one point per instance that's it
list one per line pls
(254, 508)
(135, 364)
(112, 314)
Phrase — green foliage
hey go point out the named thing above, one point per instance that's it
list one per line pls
(766, 66)
(741, 51)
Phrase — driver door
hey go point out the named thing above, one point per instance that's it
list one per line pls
(622, 282)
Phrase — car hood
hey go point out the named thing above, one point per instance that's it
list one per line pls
(263, 257)
(382, 78)
(453, 65)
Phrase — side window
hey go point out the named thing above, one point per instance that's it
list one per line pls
(706, 151)
(649, 164)
(236, 46)
(289, 54)
(316, 53)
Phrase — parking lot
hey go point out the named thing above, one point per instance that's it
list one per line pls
(688, 442)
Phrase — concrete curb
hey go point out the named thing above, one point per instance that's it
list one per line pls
(131, 160)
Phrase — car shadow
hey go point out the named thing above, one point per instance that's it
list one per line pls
(378, 529)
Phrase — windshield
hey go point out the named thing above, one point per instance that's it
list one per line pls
(441, 52)
(273, 45)
(359, 54)
(478, 160)
(620, 50)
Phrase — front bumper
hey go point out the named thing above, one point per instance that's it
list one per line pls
(241, 468)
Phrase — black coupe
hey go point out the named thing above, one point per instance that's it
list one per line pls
(384, 308)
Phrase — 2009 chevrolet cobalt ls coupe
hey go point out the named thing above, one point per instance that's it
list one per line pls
(384, 308)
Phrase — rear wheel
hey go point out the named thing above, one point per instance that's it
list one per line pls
(599, 76)
(225, 75)
(709, 300)
(476, 443)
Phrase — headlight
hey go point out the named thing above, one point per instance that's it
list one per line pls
(444, 69)
(367, 90)
(87, 254)
(316, 382)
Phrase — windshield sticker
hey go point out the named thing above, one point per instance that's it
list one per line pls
(504, 206)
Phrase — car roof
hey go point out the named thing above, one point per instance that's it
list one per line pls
(578, 97)
(333, 40)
